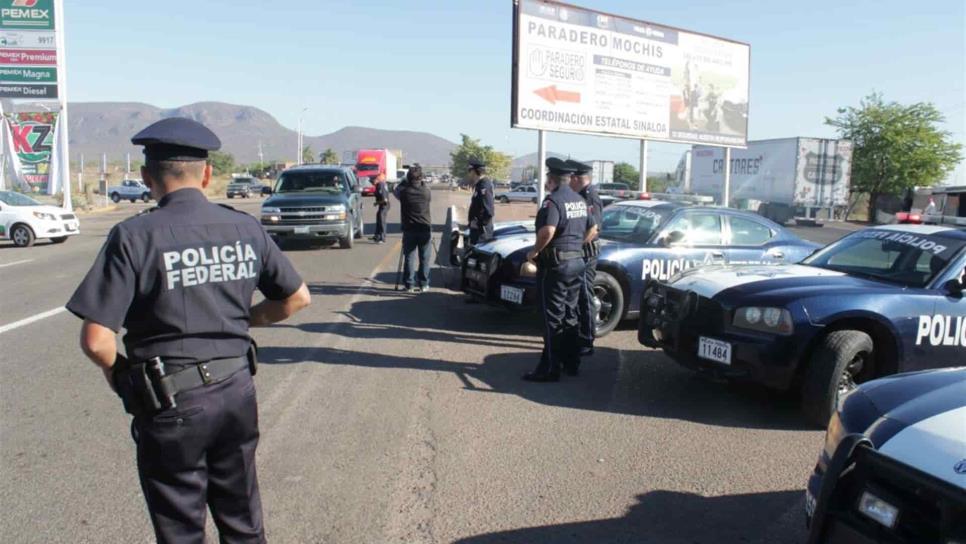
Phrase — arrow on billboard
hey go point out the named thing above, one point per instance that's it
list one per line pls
(553, 95)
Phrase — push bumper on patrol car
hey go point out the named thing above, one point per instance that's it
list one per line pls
(697, 332)
(488, 277)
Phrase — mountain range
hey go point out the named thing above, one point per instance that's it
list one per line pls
(106, 127)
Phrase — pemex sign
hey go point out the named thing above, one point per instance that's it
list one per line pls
(27, 14)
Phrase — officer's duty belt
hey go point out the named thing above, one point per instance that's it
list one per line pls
(146, 388)
(568, 255)
(206, 373)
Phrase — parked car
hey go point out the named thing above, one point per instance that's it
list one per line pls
(368, 188)
(879, 301)
(129, 189)
(893, 468)
(23, 220)
(244, 187)
(315, 202)
(523, 193)
(639, 239)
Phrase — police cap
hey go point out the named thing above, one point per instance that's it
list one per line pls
(559, 167)
(177, 139)
(580, 168)
(476, 163)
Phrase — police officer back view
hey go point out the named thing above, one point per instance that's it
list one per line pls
(563, 226)
(481, 210)
(382, 208)
(580, 182)
(180, 281)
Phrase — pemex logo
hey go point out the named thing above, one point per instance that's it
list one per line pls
(24, 3)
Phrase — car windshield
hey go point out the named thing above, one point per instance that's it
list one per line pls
(368, 168)
(632, 223)
(305, 182)
(906, 258)
(244, 181)
(11, 198)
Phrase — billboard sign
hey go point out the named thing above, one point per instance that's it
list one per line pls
(30, 39)
(578, 70)
(27, 14)
(32, 139)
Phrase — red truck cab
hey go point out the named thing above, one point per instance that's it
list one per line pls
(369, 164)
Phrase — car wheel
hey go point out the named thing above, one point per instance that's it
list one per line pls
(146, 197)
(348, 240)
(230, 196)
(609, 301)
(533, 200)
(504, 200)
(115, 198)
(22, 236)
(59, 239)
(839, 361)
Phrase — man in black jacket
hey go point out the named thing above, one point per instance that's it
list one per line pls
(382, 208)
(417, 228)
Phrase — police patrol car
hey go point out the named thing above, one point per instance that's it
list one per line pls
(893, 468)
(878, 301)
(639, 238)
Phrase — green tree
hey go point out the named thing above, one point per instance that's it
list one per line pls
(895, 146)
(222, 162)
(626, 173)
(497, 163)
(308, 156)
(329, 156)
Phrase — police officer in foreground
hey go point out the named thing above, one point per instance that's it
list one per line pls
(581, 183)
(564, 225)
(481, 211)
(179, 279)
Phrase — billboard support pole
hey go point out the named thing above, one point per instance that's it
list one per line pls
(541, 165)
(62, 145)
(80, 175)
(643, 179)
(726, 195)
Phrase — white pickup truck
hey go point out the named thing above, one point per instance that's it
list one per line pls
(23, 220)
(129, 189)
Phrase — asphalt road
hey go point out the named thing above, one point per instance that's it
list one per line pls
(390, 417)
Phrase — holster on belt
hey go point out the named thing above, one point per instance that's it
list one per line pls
(592, 249)
(141, 387)
(548, 258)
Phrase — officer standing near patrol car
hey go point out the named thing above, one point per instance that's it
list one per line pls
(481, 210)
(581, 183)
(563, 225)
(179, 279)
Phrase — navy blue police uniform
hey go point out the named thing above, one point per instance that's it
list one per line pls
(179, 279)
(586, 307)
(382, 210)
(559, 276)
(481, 207)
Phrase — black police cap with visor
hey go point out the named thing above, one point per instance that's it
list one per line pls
(580, 168)
(177, 139)
(559, 167)
(476, 164)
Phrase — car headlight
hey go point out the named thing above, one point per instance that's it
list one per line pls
(878, 510)
(335, 209)
(528, 270)
(45, 216)
(268, 210)
(773, 320)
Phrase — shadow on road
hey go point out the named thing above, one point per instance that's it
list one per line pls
(667, 517)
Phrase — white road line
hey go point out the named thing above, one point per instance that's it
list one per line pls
(16, 262)
(31, 319)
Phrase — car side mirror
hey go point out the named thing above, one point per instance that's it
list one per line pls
(673, 237)
(954, 288)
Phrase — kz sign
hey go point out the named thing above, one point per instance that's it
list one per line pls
(27, 14)
(32, 139)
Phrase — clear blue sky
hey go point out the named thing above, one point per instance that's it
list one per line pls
(444, 66)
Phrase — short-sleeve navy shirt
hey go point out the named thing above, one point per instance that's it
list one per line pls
(567, 211)
(594, 204)
(180, 280)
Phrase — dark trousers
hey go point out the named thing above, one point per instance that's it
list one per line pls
(414, 242)
(585, 306)
(201, 455)
(485, 233)
(381, 212)
(559, 288)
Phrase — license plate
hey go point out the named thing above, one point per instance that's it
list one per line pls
(511, 294)
(714, 350)
(301, 230)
